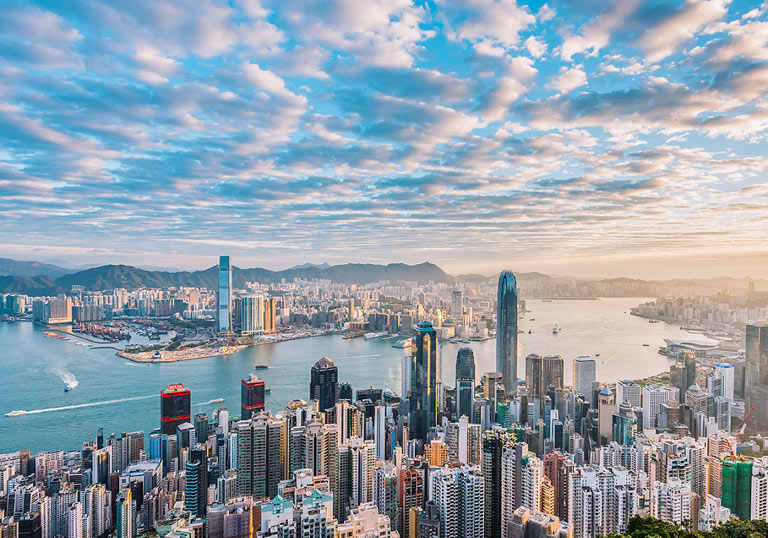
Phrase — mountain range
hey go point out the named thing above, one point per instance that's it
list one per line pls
(35, 278)
(125, 276)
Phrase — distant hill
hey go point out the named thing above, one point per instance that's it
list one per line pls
(9, 267)
(125, 276)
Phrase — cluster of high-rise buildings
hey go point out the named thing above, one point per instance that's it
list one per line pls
(492, 456)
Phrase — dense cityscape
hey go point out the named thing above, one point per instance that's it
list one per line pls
(492, 456)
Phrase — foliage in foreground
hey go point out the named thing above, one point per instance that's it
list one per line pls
(648, 527)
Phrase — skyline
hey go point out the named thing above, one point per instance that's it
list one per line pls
(586, 140)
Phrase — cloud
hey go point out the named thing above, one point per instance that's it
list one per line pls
(487, 23)
(596, 34)
(666, 37)
(568, 79)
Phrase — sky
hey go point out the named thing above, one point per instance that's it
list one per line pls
(588, 138)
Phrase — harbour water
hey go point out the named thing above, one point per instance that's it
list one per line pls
(119, 395)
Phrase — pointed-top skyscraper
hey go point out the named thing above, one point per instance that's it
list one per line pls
(506, 330)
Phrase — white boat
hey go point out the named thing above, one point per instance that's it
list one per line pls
(402, 343)
(556, 329)
(17, 413)
(216, 400)
(370, 336)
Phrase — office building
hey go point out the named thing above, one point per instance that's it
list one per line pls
(624, 424)
(499, 479)
(726, 374)
(411, 495)
(174, 407)
(756, 377)
(465, 382)
(584, 375)
(251, 396)
(542, 373)
(124, 515)
(224, 298)
(653, 397)
(457, 306)
(324, 383)
(423, 393)
(506, 330)
(251, 314)
(196, 480)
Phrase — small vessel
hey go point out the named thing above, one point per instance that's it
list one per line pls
(260, 366)
(532, 319)
(529, 331)
(217, 400)
(646, 345)
(597, 354)
(267, 390)
(556, 329)
(402, 343)
(17, 413)
(67, 388)
(653, 321)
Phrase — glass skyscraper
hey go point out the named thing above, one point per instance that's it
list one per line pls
(506, 330)
(224, 298)
(423, 393)
(465, 382)
(756, 377)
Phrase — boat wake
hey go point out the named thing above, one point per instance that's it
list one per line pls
(89, 404)
(68, 378)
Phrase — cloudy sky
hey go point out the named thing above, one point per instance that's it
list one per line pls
(567, 137)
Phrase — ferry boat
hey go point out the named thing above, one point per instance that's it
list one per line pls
(260, 366)
(402, 343)
(556, 329)
(654, 321)
(369, 336)
(17, 413)
(216, 400)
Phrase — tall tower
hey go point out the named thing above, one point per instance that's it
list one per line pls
(261, 455)
(251, 396)
(423, 393)
(224, 298)
(756, 376)
(174, 407)
(506, 330)
(584, 375)
(465, 382)
(324, 383)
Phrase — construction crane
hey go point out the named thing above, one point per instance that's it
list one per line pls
(744, 425)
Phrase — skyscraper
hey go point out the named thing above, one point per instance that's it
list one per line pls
(495, 445)
(196, 480)
(465, 382)
(583, 375)
(324, 383)
(457, 305)
(261, 455)
(251, 314)
(251, 396)
(541, 373)
(756, 377)
(423, 393)
(506, 330)
(224, 298)
(174, 407)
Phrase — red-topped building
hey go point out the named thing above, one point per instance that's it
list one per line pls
(251, 397)
(174, 407)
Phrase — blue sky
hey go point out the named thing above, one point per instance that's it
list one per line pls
(568, 137)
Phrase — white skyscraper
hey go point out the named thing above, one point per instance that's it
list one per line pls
(629, 391)
(532, 477)
(583, 375)
(671, 501)
(601, 501)
(726, 374)
(75, 521)
(653, 397)
(759, 493)
(405, 371)
(459, 494)
(380, 431)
